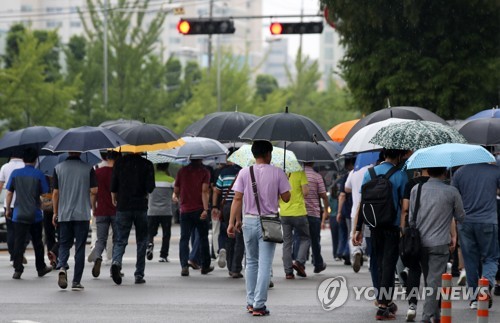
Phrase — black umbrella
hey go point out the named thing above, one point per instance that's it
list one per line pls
(119, 124)
(481, 131)
(411, 113)
(148, 137)
(284, 126)
(221, 126)
(318, 152)
(35, 137)
(83, 139)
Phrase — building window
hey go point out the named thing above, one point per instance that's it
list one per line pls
(26, 8)
(75, 24)
(328, 54)
(329, 37)
(53, 24)
(73, 9)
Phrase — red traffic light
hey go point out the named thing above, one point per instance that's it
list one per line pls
(276, 28)
(184, 27)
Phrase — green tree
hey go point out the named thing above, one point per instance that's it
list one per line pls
(440, 55)
(265, 84)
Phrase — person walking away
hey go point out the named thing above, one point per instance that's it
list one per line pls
(15, 162)
(344, 213)
(435, 207)
(317, 221)
(75, 189)
(160, 211)
(192, 190)
(29, 184)
(271, 182)
(131, 182)
(386, 238)
(104, 212)
(333, 201)
(478, 234)
(48, 228)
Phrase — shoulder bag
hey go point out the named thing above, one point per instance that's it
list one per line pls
(410, 244)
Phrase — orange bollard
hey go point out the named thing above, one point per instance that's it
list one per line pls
(445, 298)
(483, 301)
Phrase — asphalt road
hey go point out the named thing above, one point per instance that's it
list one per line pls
(168, 297)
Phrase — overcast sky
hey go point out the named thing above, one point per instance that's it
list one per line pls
(280, 7)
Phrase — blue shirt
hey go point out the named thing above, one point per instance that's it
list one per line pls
(28, 183)
(398, 180)
(478, 186)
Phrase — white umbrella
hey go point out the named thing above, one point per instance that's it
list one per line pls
(197, 148)
(360, 141)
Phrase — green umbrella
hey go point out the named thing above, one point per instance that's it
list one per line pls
(415, 135)
(243, 157)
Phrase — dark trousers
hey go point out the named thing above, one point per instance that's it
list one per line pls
(73, 232)
(413, 282)
(386, 247)
(334, 230)
(154, 221)
(10, 237)
(235, 247)
(50, 230)
(189, 222)
(22, 231)
(315, 232)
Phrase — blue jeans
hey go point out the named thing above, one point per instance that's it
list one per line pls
(124, 221)
(103, 223)
(315, 233)
(68, 232)
(189, 222)
(479, 243)
(343, 250)
(259, 258)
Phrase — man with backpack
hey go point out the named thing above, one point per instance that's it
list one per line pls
(381, 195)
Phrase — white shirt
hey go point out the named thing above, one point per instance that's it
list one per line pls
(5, 171)
(354, 182)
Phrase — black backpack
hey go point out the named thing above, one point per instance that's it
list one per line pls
(377, 202)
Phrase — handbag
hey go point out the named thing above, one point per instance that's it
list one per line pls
(271, 226)
(410, 244)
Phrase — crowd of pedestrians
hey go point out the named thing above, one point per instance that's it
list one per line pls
(456, 215)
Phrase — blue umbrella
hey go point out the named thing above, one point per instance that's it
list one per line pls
(365, 159)
(490, 113)
(449, 155)
(47, 163)
(83, 139)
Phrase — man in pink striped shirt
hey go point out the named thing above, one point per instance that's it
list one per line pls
(316, 222)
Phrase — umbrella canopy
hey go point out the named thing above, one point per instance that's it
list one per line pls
(322, 151)
(411, 113)
(221, 126)
(360, 142)
(365, 159)
(35, 137)
(47, 163)
(490, 113)
(417, 134)
(147, 137)
(340, 131)
(244, 158)
(481, 131)
(449, 155)
(284, 126)
(119, 124)
(83, 139)
(197, 148)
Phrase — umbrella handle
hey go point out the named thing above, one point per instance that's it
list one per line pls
(284, 157)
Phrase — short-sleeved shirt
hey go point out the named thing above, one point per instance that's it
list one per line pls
(316, 186)
(105, 205)
(29, 183)
(6, 171)
(226, 178)
(347, 206)
(160, 200)
(354, 182)
(398, 180)
(297, 205)
(271, 183)
(133, 179)
(190, 180)
(478, 186)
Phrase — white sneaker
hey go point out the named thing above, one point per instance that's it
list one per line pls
(221, 258)
(473, 305)
(412, 313)
(462, 279)
(448, 267)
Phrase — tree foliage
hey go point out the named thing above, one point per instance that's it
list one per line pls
(437, 54)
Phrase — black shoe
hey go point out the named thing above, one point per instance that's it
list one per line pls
(393, 308)
(77, 286)
(383, 314)
(115, 274)
(205, 271)
(347, 261)
(96, 270)
(299, 268)
(185, 271)
(62, 280)
(193, 264)
(260, 311)
(149, 251)
(44, 271)
(271, 284)
(496, 290)
(17, 275)
(320, 269)
(139, 280)
(237, 275)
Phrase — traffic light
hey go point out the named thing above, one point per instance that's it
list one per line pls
(205, 26)
(282, 28)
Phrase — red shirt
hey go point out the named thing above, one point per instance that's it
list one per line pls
(190, 180)
(105, 206)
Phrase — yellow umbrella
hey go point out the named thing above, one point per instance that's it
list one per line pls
(340, 131)
(153, 147)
